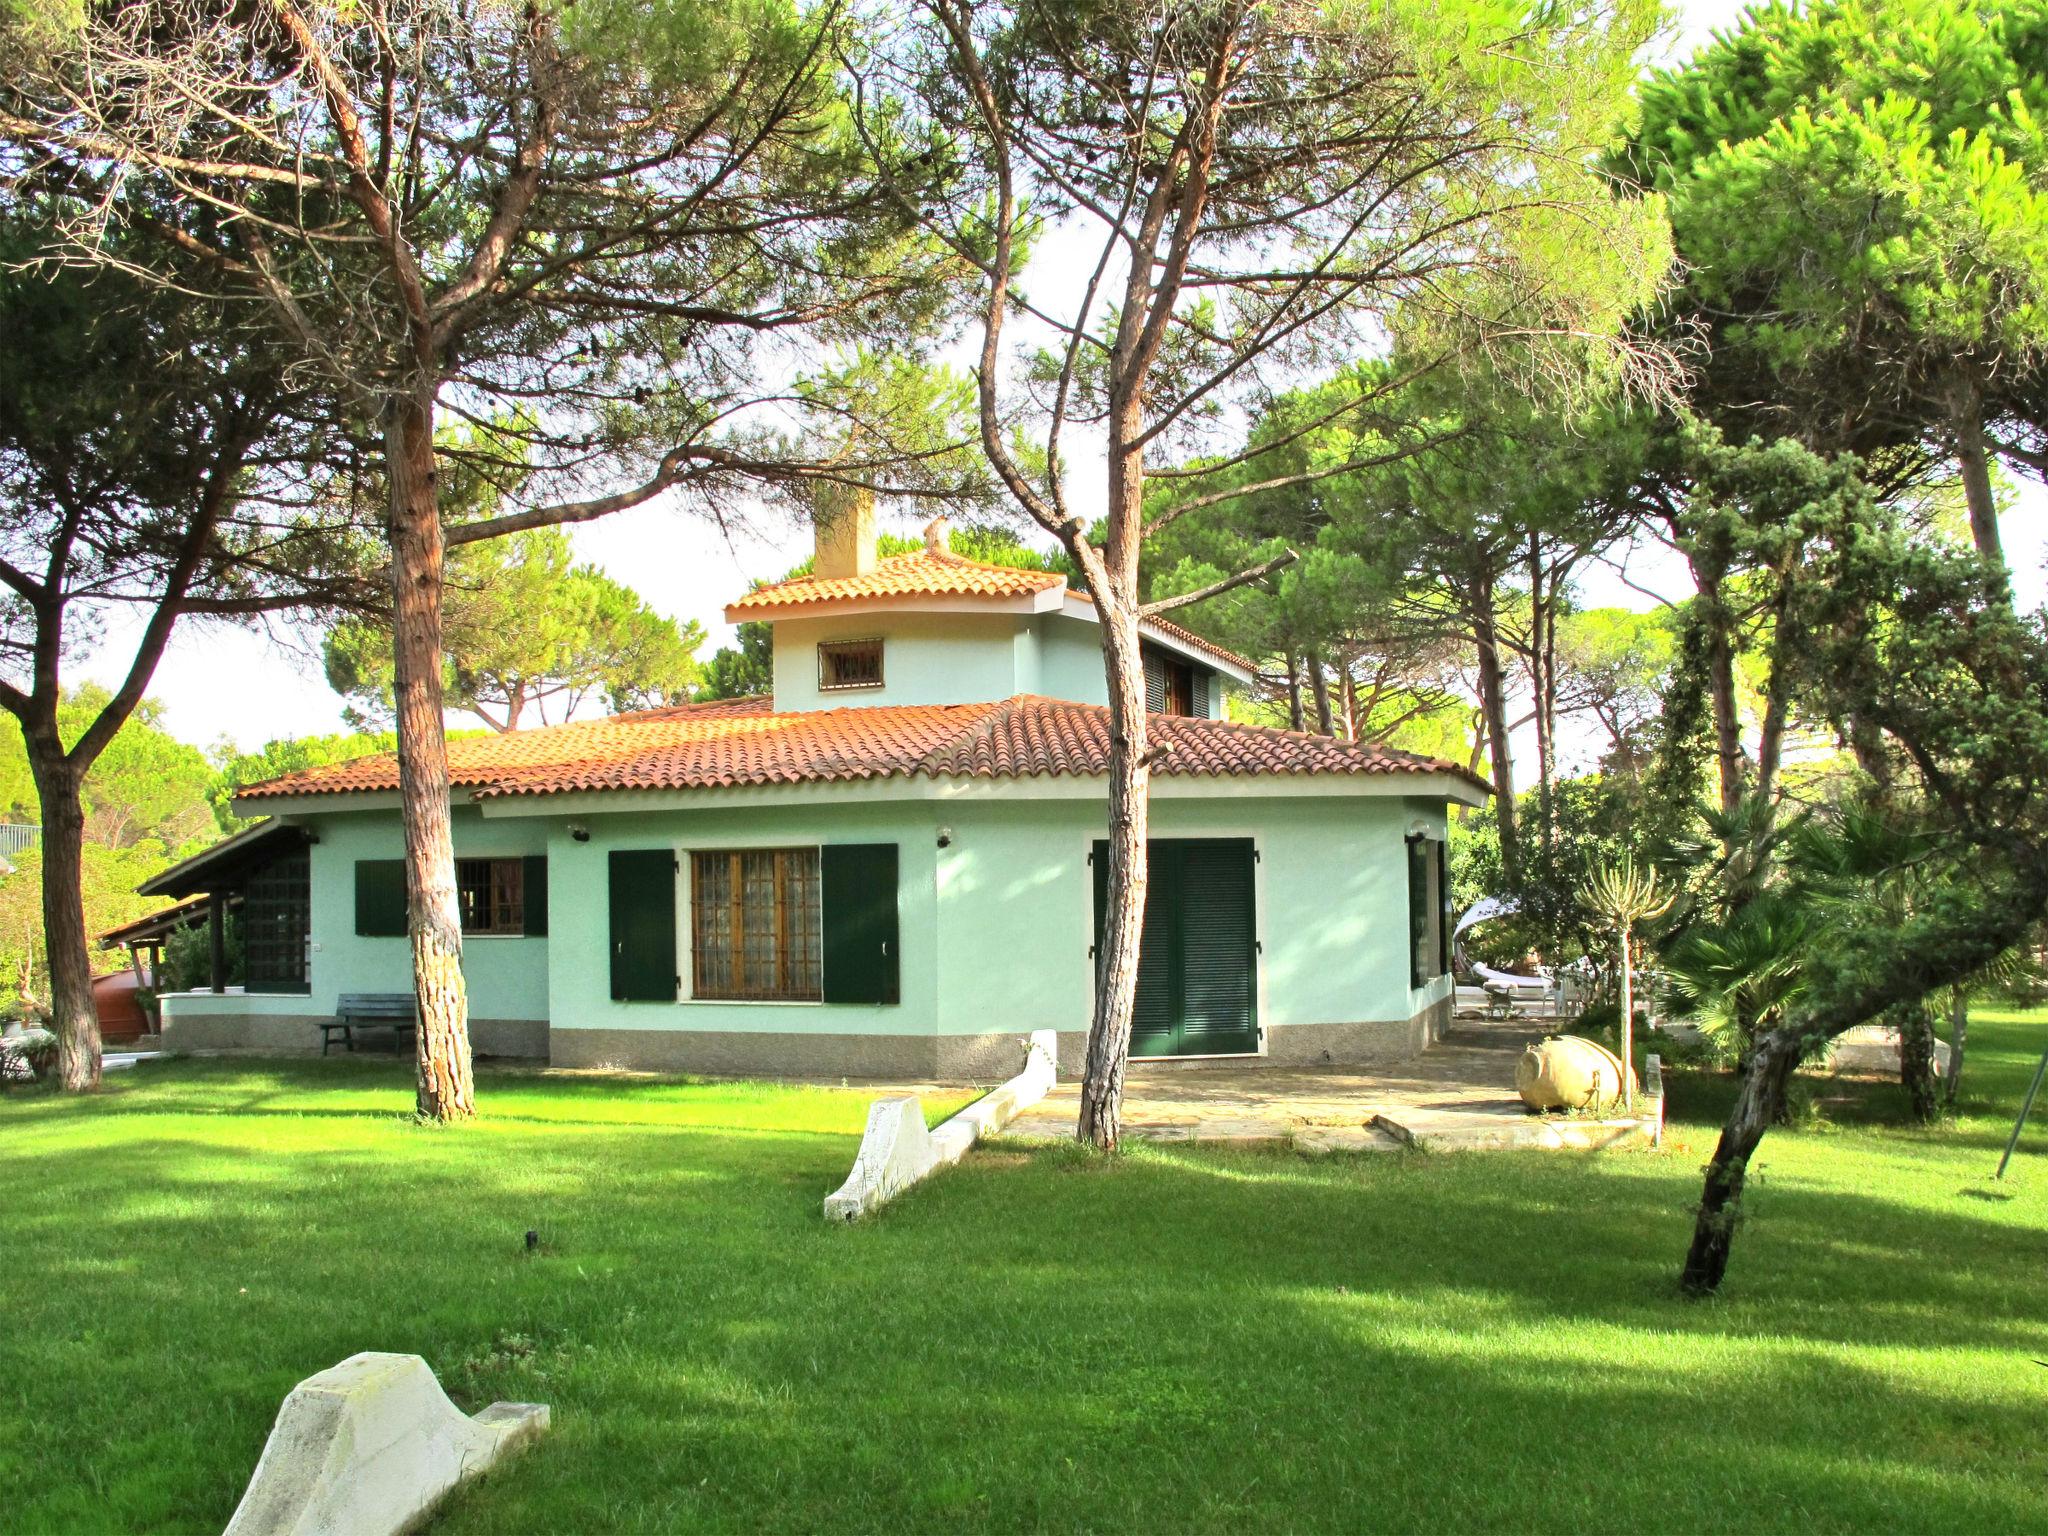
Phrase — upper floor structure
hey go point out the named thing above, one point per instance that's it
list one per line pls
(933, 627)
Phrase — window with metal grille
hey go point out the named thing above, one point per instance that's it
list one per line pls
(277, 919)
(754, 924)
(850, 664)
(492, 895)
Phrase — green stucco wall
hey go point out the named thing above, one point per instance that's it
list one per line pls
(945, 658)
(508, 977)
(927, 658)
(579, 977)
(995, 927)
(1332, 908)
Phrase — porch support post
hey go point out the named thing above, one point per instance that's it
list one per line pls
(216, 933)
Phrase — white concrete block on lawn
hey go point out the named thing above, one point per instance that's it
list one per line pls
(897, 1150)
(1872, 1050)
(369, 1447)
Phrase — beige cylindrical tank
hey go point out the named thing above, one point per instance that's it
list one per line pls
(1567, 1072)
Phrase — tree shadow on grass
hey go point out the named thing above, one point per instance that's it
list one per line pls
(1184, 1338)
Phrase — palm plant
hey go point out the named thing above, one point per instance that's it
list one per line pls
(1622, 896)
(1742, 974)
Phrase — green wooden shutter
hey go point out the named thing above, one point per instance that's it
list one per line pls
(1418, 909)
(643, 925)
(533, 894)
(1446, 914)
(1218, 960)
(857, 894)
(380, 898)
(1156, 1012)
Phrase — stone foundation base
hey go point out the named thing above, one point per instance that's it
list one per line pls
(986, 1058)
(730, 1053)
(1367, 1044)
(293, 1034)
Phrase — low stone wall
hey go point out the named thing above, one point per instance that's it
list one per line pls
(369, 1447)
(191, 1028)
(270, 1034)
(897, 1151)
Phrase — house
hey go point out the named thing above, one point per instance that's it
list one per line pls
(891, 868)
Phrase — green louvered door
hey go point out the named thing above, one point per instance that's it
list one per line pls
(1198, 960)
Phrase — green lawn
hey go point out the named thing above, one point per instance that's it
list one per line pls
(1184, 1340)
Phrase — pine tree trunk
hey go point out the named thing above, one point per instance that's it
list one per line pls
(1493, 705)
(445, 1089)
(73, 1016)
(1540, 604)
(1709, 571)
(1294, 715)
(1116, 962)
(1319, 690)
(1974, 464)
(1916, 1059)
(1958, 1033)
(1757, 1107)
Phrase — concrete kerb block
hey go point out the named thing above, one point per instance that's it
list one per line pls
(369, 1447)
(897, 1150)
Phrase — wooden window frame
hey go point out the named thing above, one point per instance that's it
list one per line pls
(1174, 685)
(798, 974)
(829, 649)
(504, 894)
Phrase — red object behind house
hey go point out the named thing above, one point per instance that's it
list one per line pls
(121, 1015)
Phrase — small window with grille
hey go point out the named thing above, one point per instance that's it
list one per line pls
(492, 895)
(850, 664)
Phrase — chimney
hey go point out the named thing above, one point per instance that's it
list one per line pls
(935, 536)
(844, 517)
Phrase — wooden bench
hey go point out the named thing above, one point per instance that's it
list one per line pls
(370, 1010)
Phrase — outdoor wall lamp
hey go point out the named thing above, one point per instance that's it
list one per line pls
(579, 832)
(945, 837)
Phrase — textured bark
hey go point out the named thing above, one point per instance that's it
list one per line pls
(72, 1014)
(1974, 463)
(1727, 714)
(1958, 1035)
(1757, 1107)
(1916, 1059)
(1116, 961)
(1493, 706)
(1542, 685)
(1130, 783)
(1319, 690)
(1294, 715)
(445, 1090)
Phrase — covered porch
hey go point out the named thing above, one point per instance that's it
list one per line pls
(262, 877)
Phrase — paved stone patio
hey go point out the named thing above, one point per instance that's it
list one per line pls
(1458, 1095)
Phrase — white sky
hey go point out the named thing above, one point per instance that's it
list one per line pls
(252, 685)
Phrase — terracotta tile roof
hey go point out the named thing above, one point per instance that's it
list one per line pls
(744, 742)
(930, 573)
(1189, 638)
(924, 573)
